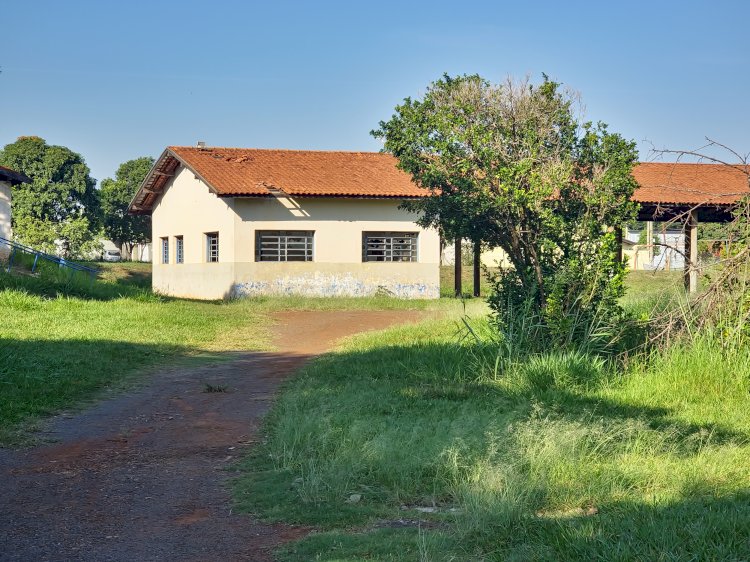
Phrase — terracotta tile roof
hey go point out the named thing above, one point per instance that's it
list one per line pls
(258, 172)
(690, 184)
(239, 171)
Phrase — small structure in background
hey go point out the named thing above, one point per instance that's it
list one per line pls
(8, 178)
(646, 250)
(682, 195)
(141, 252)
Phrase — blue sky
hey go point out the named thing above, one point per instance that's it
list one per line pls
(117, 80)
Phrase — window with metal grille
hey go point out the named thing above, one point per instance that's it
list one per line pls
(212, 247)
(165, 250)
(389, 246)
(284, 245)
(179, 251)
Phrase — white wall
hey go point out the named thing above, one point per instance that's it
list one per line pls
(5, 198)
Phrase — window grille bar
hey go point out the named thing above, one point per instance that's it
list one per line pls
(389, 246)
(284, 245)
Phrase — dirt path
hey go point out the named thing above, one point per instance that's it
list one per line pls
(142, 476)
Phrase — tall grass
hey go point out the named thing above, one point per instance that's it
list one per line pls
(552, 455)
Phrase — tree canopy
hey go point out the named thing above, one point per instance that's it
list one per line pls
(122, 228)
(513, 165)
(59, 210)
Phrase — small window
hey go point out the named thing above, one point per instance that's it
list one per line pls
(212, 247)
(389, 246)
(179, 251)
(284, 245)
(165, 250)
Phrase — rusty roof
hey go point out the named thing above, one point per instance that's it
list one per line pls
(244, 172)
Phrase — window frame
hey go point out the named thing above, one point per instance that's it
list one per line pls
(179, 249)
(209, 236)
(164, 250)
(388, 249)
(283, 250)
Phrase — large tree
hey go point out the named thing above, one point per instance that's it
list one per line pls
(59, 210)
(123, 228)
(512, 165)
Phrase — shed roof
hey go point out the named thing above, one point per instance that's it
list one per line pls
(690, 184)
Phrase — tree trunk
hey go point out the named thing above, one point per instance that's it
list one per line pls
(457, 269)
(477, 262)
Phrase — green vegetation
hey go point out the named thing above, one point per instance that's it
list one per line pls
(58, 347)
(467, 282)
(429, 443)
(513, 166)
(59, 210)
(120, 226)
(65, 338)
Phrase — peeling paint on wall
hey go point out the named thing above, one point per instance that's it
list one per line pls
(318, 284)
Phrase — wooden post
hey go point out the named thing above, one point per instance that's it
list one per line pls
(618, 242)
(457, 268)
(650, 240)
(691, 252)
(477, 263)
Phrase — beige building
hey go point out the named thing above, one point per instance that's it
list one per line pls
(233, 222)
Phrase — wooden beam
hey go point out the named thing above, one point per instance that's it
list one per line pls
(477, 264)
(618, 243)
(691, 252)
(458, 289)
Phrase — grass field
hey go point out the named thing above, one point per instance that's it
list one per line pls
(417, 443)
(413, 444)
(64, 340)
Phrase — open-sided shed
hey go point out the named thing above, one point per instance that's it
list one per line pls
(688, 194)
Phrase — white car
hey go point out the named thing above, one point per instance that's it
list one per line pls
(111, 255)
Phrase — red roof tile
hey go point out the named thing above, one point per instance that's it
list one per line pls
(690, 184)
(240, 171)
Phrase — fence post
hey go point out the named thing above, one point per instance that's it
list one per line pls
(10, 259)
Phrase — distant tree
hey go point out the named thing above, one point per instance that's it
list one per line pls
(59, 210)
(511, 164)
(124, 229)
